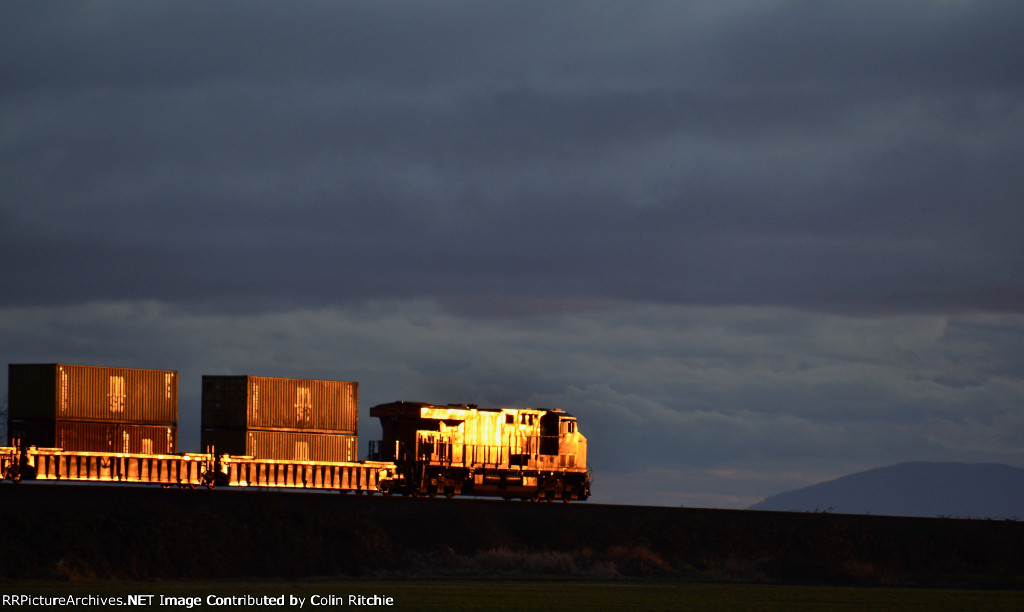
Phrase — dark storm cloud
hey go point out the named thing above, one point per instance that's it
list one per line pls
(851, 156)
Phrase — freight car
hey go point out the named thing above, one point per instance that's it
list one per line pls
(281, 418)
(428, 449)
(90, 408)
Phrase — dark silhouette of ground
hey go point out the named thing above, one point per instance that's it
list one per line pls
(59, 531)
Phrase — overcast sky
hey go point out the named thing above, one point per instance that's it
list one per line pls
(751, 245)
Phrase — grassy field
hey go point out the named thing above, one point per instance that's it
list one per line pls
(454, 595)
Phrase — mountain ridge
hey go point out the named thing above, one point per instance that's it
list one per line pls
(914, 488)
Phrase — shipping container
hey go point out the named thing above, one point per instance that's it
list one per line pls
(282, 445)
(55, 391)
(282, 404)
(91, 436)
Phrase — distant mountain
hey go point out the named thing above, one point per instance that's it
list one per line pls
(960, 490)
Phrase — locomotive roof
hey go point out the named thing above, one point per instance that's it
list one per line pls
(412, 409)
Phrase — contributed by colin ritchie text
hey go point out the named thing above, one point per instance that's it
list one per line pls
(293, 602)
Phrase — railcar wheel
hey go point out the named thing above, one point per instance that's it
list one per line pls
(209, 478)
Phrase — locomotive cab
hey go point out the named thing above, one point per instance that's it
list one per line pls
(561, 444)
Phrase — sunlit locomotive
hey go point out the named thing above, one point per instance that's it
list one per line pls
(84, 423)
(460, 449)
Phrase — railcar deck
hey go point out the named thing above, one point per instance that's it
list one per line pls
(190, 470)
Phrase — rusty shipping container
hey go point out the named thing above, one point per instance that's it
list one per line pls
(280, 404)
(91, 436)
(282, 445)
(59, 392)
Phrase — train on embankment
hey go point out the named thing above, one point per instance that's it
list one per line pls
(119, 425)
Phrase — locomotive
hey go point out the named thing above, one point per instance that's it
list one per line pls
(460, 449)
(91, 426)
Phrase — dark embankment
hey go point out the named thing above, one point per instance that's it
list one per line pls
(129, 533)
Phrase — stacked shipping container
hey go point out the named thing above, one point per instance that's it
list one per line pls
(280, 418)
(95, 409)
